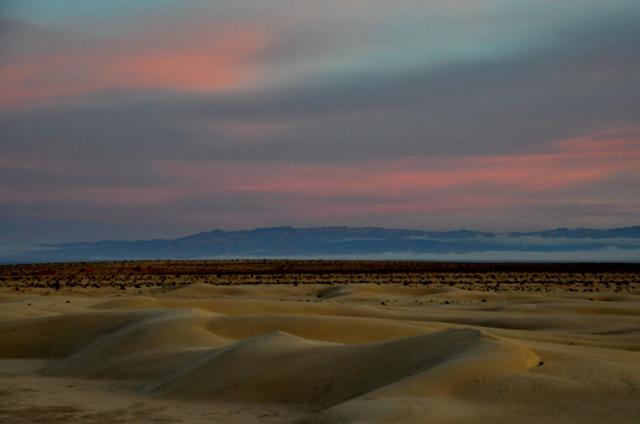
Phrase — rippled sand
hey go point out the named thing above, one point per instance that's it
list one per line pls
(320, 353)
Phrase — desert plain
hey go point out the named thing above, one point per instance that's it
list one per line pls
(319, 342)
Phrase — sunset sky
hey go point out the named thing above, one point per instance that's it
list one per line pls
(160, 118)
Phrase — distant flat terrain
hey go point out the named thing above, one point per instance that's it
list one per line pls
(319, 342)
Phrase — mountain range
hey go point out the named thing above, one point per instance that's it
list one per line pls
(348, 242)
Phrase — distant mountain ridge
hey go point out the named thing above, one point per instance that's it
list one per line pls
(627, 232)
(336, 241)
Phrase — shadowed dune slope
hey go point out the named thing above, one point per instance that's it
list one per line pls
(60, 335)
(196, 354)
(278, 367)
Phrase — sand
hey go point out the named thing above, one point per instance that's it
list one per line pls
(317, 353)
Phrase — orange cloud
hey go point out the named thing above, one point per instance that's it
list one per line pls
(205, 62)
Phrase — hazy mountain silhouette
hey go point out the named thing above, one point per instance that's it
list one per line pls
(335, 241)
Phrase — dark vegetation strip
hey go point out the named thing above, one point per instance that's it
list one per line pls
(310, 267)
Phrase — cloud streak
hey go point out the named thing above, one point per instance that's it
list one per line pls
(367, 192)
(203, 62)
(431, 114)
(562, 165)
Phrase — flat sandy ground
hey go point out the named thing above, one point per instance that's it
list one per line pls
(410, 349)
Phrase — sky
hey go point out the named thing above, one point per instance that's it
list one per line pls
(122, 119)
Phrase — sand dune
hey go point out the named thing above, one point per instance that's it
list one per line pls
(278, 367)
(348, 353)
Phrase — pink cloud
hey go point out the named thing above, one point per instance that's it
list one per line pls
(203, 61)
(564, 164)
(408, 187)
(215, 62)
(428, 185)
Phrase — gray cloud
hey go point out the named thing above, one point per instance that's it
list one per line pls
(580, 78)
(584, 82)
